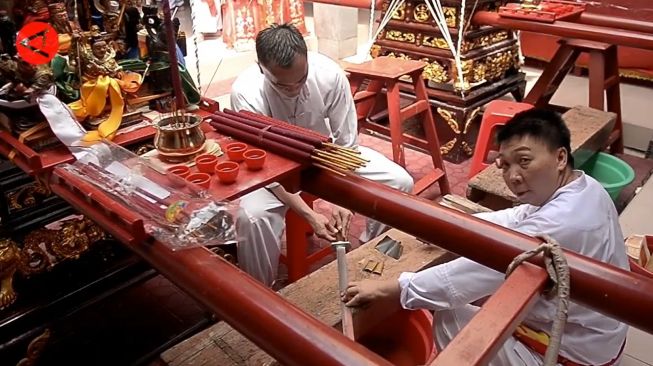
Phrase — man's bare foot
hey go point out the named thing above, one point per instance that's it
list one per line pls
(367, 291)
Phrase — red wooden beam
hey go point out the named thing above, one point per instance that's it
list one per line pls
(616, 22)
(278, 327)
(604, 288)
(478, 342)
(565, 29)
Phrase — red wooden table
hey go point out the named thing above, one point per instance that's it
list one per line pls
(258, 313)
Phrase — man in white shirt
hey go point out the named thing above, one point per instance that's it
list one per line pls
(571, 207)
(312, 91)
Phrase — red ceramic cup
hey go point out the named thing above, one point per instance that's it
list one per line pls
(227, 171)
(177, 174)
(206, 163)
(201, 179)
(255, 159)
(235, 151)
(180, 170)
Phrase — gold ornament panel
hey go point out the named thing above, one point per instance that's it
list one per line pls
(437, 42)
(485, 69)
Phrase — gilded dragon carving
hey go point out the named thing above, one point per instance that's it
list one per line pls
(434, 72)
(400, 36)
(9, 259)
(40, 248)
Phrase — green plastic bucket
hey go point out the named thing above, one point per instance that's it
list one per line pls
(613, 173)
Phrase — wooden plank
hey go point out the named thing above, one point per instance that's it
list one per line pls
(590, 130)
(317, 294)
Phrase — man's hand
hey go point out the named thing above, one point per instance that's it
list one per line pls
(341, 220)
(322, 227)
(365, 292)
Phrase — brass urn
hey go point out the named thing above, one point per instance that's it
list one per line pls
(179, 137)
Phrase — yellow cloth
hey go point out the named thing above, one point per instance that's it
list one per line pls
(525, 331)
(64, 43)
(93, 100)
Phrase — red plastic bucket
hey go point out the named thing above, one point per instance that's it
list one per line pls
(404, 339)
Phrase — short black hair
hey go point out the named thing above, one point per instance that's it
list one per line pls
(279, 44)
(542, 124)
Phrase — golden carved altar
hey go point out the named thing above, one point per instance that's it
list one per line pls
(489, 65)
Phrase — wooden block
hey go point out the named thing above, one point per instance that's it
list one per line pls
(462, 204)
(637, 249)
(316, 294)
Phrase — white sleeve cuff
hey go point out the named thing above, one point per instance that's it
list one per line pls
(404, 282)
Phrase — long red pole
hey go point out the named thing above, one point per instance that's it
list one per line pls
(616, 22)
(278, 327)
(569, 30)
(607, 289)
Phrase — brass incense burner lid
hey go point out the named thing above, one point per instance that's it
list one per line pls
(179, 137)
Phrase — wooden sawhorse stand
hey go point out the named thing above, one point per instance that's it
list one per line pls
(386, 72)
(603, 81)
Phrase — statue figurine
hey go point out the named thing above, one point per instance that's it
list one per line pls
(100, 60)
(23, 79)
(7, 33)
(112, 17)
(132, 26)
(59, 18)
(64, 27)
(155, 40)
(102, 77)
(156, 35)
(36, 11)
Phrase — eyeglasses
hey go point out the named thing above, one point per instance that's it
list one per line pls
(284, 86)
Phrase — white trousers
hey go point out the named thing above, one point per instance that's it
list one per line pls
(261, 221)
(448, 323)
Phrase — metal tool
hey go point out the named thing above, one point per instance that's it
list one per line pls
(340, 247)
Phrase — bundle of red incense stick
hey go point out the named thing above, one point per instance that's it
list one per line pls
(293, 142)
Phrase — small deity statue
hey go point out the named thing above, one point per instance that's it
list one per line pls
(21, 79)
(156, 42)
(132, 26)
(36, 11)
(100, 60)
(156, 35)
(7, 33)
(112, 17)
(59, 18)
(102, 77)
(64, 27)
